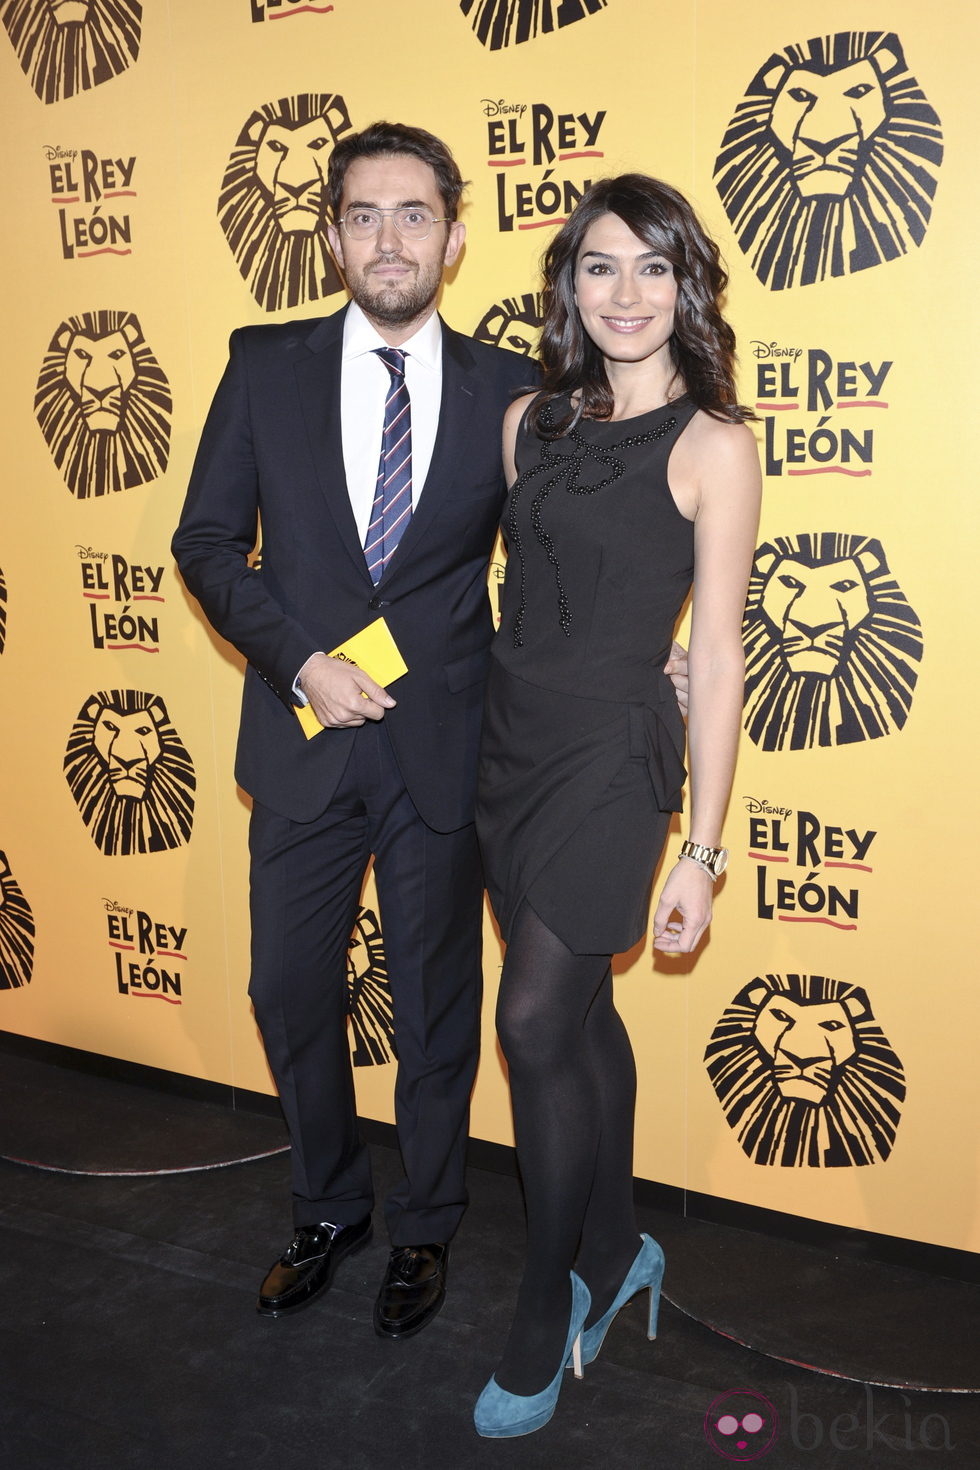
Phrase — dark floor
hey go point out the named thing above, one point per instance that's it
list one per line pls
(129, 1341)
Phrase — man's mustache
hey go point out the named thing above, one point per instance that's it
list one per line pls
(390, 260)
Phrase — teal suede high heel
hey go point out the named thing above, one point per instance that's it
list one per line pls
(502, 1415)
(647, 1270)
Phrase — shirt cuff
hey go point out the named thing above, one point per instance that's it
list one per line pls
(297, 692)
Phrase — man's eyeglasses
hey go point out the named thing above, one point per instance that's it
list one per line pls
(411, 222)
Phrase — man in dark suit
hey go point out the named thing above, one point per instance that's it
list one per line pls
(316, 428)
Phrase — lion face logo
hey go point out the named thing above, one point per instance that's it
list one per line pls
(16, 932)
(100, 371)
(805, 1074)
(513, 323)
(831, 643)
(500, 23)
(69, 46)
(273, 201)
(829, 163)
(129, 747)
(129, 774)
(369, 996)
(103, 404)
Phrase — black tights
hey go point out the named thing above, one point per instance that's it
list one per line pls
(573, 1089)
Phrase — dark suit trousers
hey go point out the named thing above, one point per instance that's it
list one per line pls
(305, 886)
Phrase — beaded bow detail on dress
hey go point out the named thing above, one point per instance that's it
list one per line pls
(567, 470)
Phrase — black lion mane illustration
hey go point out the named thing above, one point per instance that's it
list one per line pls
(369, 1001)
(129, 773)
(831, 643)
(805, 1074)
(16, 932)
(103, 404)
(500, 23)
(68, 46)
(273, 201)
(513, 323)
(829, 163)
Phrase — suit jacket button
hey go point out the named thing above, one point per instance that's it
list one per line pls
(376, 603)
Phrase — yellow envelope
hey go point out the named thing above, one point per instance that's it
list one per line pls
(375, 651)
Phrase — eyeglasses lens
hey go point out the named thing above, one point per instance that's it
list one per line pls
(364, 224)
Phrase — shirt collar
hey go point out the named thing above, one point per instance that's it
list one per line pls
(360, 337)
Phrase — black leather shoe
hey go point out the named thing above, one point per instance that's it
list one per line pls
(413, 1290)
(307, 1265)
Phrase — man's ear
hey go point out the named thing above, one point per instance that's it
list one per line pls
(335, 236)
(454, 242)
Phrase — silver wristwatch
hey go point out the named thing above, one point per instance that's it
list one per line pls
(714, 860)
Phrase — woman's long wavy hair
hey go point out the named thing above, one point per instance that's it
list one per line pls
(702, 345)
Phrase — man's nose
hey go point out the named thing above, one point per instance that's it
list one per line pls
(389, 240)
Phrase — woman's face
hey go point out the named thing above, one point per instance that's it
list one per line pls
(625, 292)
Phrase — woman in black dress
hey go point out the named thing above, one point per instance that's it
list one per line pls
(633, 476)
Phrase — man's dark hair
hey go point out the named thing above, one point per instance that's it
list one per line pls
(387, 140)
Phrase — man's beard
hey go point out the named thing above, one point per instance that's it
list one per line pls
(394, 306)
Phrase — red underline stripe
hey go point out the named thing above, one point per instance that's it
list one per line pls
(862, 403)
(302, 10)
(861, 867)
(172, 1000)
(85, 254)
(800, 919)
(766, 857)
(537, 225)
(778, 407)
(504, 162)
(831, 469)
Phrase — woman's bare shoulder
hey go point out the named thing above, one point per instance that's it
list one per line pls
(720, 438)
(517, 410)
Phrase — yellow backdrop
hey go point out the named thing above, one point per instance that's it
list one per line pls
(819, 1055)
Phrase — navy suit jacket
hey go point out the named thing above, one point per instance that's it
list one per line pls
(271, 453)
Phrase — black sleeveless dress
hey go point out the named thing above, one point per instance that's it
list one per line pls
(583, 744)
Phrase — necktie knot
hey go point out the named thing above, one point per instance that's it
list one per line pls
(393, 359)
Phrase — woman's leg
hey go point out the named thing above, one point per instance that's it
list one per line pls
(543, 1007)
(610, 1233)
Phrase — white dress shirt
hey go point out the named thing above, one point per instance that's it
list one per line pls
(364, 384)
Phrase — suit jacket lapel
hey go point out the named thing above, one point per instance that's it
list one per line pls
(318, 384)
(458, 403)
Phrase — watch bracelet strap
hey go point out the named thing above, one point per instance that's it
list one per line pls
(687, 858)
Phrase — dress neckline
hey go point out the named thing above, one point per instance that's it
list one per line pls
(635, 418)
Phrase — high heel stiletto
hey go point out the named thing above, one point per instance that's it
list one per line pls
(647, 1270)
(502, 1415)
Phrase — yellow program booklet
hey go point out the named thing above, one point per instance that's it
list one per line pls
(375, 651)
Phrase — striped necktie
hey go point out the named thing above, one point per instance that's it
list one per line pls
(392, 508)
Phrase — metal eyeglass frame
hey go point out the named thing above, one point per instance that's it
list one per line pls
(402, 209)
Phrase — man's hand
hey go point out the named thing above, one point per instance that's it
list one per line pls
(341, 694)
(676, 668)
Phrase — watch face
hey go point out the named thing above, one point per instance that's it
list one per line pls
(721, 861)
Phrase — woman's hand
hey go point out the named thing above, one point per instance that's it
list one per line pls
(687, 892)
